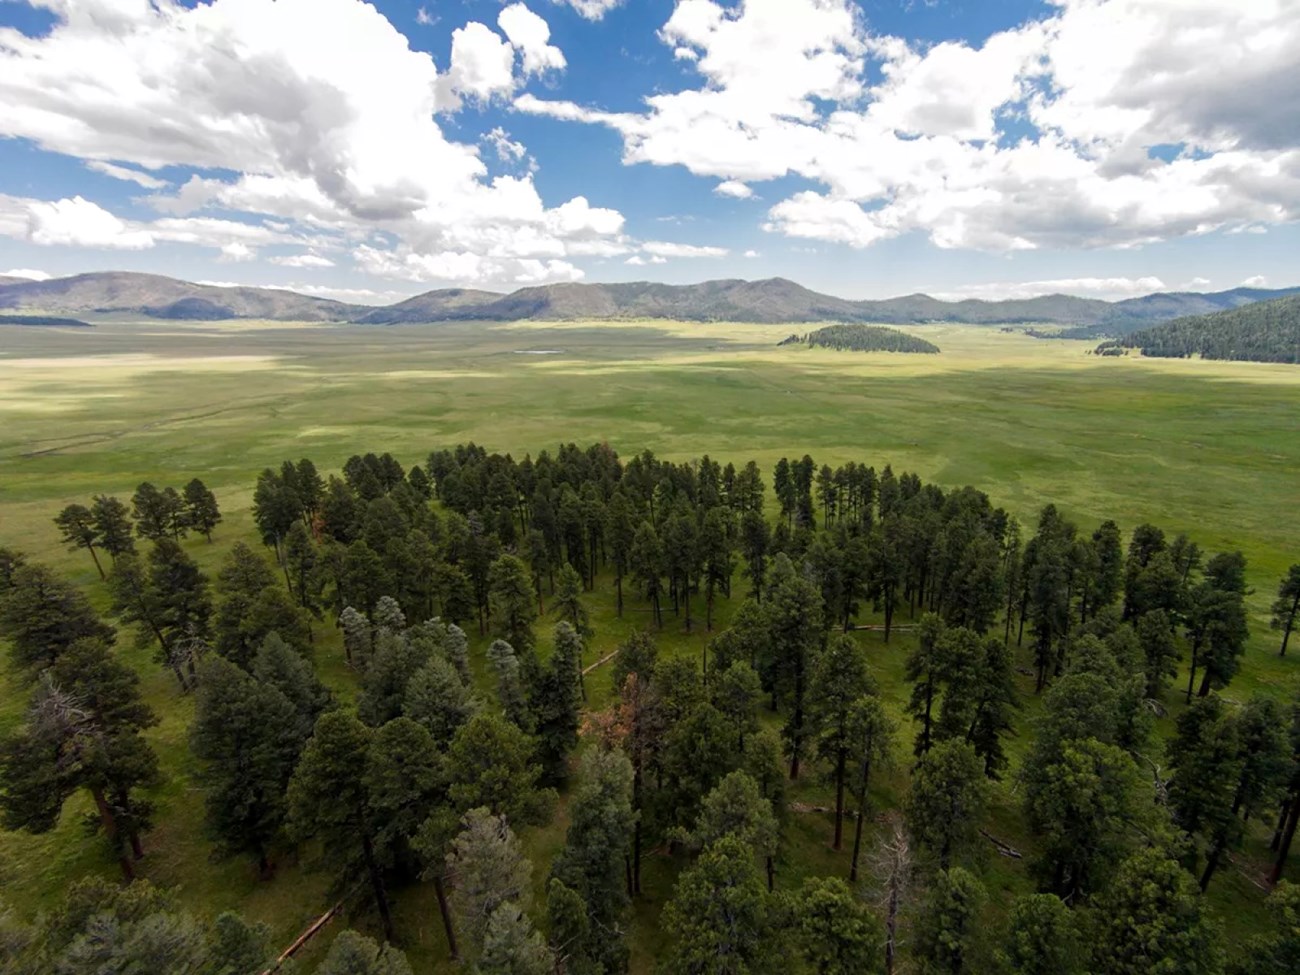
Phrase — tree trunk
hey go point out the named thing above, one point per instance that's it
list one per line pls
(771, 874)
(1284, 848)
(1281, 822)
(618, 588)
(1205, 684)
(840, 761)
(93, 555)
(1212, 863)
(1191, 675)
(445, 910)
(857, 829)
(1290, 622)
(377, 884)
(109, 822)
(627, 874)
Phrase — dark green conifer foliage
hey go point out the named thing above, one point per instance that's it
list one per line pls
(77, 526)
(1043, 938)
(201, 511)
(834, 931)
(719, 915)
(41, 615)
(112, 524)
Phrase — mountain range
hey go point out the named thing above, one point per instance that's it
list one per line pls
(773, 300)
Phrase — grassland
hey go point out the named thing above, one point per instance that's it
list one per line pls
(1204, 447)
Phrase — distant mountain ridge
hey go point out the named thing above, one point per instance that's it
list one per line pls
(768, 301)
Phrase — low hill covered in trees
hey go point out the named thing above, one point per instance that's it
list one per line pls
(1268, 331)
(862, 338)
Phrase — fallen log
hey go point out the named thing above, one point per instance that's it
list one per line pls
(312, 930)
(1002, 848)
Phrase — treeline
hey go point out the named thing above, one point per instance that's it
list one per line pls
(430, 774)
(862, 338)
(1266, 331)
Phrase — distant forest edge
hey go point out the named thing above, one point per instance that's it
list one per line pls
(1267, 331)
(862, 338)
(47, 321)
(769, 301)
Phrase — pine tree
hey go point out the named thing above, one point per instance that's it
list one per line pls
(250, 606)
(1286, 610)
(737, 807)
(947, 800)
(648, 566)
(834, 932)
(41, 616)
(249, 737)
(328, 801)
(383, 685)
(487, 869)
(201, 511)
(511, 692)
(735, 692)
(112, 524)
(947, 926)
(513, 608)
(568, 602)
(870, 734)
(356, 635)
(280, 666)
(793, 610)
(719, 914)
(511, 946)
(1042, 938)
(557, 704)
(1152, 919)
(839, 679)
(355, 954)
(925, 669)
(490, 764)
(77, 526)
(438, 700)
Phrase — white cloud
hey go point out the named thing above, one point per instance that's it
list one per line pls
(663, 248)
(237, 251)
(1105, 288)
(636, 260)
(424, 18)
(127, 174)
(507, 149)
(734, 188)
(1258, 281)
(31, 274)
(302, 260)
(530, 34)
(482, 64)
(1040, 137)
(77, 222)
(752, 253)
(591, 9)
(1197, 283)
(322, 111)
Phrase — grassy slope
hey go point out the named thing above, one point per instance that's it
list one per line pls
(1204, 447)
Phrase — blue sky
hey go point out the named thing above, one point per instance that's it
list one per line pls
(963, 148)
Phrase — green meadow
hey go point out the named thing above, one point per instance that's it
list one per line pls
(1209, 448)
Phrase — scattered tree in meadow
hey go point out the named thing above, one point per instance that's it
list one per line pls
(112, 525)
(41, 616)
(201, 511)
(1286, 610)
(77, 526)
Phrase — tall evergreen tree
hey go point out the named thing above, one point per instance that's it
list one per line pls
(719, 915)
(112, 524)
(1286, 610)
(839, 679)
(835, 932)
(948, 924)
(1043, 938)
(41, 615)
(201, 511)
(946, 802)
(77, 527)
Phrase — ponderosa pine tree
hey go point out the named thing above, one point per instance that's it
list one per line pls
(556, 705)
(719, 914)
(112, 523)
(251, 605)
(327, 801)
(437, 699)
(77, 527)
(1286, 610)
(833, 931)
(755, 543)
(280, 666)
(648, 566)
(490, 763)
(568, 602)
(248, 736)
(201, 511)
(736, 692)
(357, 635)
(839, 679)
(513, 608)
(405, 777)
(947, 928)
(594, 861)
(1217, 621)
(383, 685)
(793, 611)
(1276, 953)
(183, 607)
(155, 511)
(995, 702)
(352, 953)
(82, 730)
(946, 802)
(512, 946)
(487, 868)
(1153, 919)
(1042, 938)
(42, 615)
(306, 572)
(925, 668)
(737, 807)
(870, 734)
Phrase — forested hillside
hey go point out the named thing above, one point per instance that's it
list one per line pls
(863, 338)
(842, 778)
(1268, 331)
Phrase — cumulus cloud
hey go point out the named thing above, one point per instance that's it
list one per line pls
(507, 149)
(314, 122)
(734, 188)
(127, 174)
(663, 248)
(1110, 123)
(636, 260)
(1106, 288)
(1257, 281)
(590, 9)
(77, 222)
(31, 274)
(530, 34)
(752, 253)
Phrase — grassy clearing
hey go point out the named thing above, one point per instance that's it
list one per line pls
(1204, 447)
